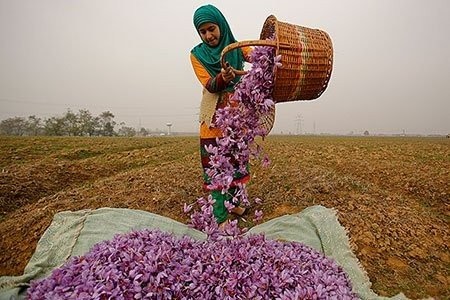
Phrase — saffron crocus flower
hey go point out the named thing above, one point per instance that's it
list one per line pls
(265, 161)
(187, 208)
(229, 206)
(240, 125)
(151, 264)
(258, 215)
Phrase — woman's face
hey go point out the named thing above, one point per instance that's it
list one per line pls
(210, 33)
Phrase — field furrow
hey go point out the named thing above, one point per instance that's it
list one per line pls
(391, 194)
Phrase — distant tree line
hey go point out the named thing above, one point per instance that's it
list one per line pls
(82, 123)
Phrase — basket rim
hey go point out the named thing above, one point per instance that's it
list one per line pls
(273, 20)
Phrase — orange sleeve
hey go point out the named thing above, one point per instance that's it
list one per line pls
(200, 71)
(247, 51)
(203, 75)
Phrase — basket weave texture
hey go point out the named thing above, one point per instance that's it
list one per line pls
(306, 58)
(306, 62)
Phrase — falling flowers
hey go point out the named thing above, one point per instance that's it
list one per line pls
(240, 125)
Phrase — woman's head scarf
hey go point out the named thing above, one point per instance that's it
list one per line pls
(210, 56)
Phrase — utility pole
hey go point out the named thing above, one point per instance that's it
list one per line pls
(139, 128)
(299, 121)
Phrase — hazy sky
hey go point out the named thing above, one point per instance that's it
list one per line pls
(391, 61)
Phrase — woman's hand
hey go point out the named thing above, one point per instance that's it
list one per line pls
(228, 73)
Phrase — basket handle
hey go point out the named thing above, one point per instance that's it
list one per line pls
(244, 44)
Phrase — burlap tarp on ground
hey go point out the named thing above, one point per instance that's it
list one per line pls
(74, 233)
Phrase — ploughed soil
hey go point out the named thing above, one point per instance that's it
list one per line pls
(391, 194)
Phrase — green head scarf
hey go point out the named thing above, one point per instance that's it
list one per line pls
(210, 56)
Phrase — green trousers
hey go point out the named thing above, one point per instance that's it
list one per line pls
(219, 209)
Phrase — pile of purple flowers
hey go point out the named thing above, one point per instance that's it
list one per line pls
(151, 264)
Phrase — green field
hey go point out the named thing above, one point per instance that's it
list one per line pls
(391, 194)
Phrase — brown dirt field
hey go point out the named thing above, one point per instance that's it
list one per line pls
(391, 194)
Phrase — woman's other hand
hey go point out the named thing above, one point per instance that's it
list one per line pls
(228, 73)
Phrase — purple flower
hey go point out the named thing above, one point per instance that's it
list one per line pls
(187, 208)
(229, 206)
(240, 125)
(258, 215)
(265, 161)
(157, 265)
(258, 201)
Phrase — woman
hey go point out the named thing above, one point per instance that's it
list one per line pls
(218, 86)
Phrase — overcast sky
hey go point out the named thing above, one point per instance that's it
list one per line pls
(391, 61)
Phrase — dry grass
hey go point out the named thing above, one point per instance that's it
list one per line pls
(391, 194)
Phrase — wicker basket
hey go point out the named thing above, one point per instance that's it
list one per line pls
(306, 58)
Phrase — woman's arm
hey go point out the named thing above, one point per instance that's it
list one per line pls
(247, 51)
(212, 84)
